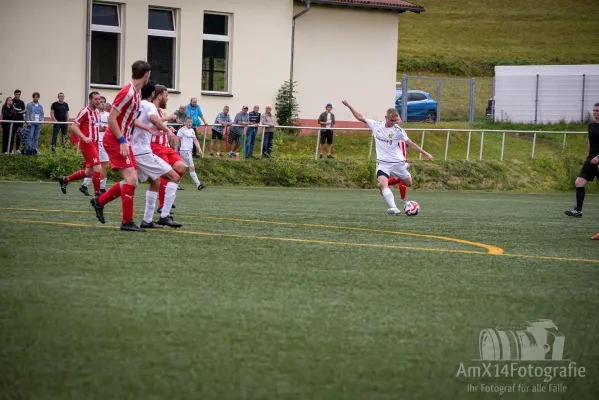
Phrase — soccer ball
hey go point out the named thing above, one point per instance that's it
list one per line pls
(411, 208)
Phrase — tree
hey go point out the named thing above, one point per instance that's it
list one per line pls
(286, 108)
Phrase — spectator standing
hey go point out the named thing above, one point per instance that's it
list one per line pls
(242, 119)
(269, 131)
(35, 113)
(9, 131)
(197, 117)
(252, 131)
(327, 121)
(223, 120)
(19, 105)
(59, 112)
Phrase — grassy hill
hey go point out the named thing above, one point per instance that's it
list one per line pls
(467, 37)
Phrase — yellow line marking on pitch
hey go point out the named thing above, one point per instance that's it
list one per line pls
(229, 235)
(490, 249)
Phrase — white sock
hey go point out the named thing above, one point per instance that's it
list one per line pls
(388, 195)
(151, 198)
(194, 176)
(87, 181)
(103, 183)
(169, 199)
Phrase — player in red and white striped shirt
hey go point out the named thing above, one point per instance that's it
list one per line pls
(162, 148)
(122, 118)
(86, 128)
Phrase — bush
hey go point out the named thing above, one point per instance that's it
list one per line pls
(286, 107)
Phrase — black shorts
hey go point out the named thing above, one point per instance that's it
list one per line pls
(326, 136)
(589, 171)
(217, 135)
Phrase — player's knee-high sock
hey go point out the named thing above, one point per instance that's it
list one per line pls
(169, 199)
(162, 192)
(388, 195)
(393, 181)
(75, 176)
(127, 193)
(96, 181)
(195, 178)
(579, 198)
(402, 190)
(87, 181)
(103, 183)
(151, 198)
(113, 193)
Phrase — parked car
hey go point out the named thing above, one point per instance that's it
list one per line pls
(421, 106)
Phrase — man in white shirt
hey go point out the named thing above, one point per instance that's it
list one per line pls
(150, 167)
(390, 160)
(186, 138)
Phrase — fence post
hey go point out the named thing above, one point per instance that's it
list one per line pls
(262, 141)
(10, 139)
(472, 93)
(534, 142)
(446, 145)
(317, 142)
(204, 144)
(422, 144)
(537, 99)
(439, 87)
(584, 76)
(404, 98)
(370, 151)
(468, 149)
(502, 144)
(564, 145)
(482, 140)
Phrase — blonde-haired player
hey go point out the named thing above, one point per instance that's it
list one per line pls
(186, 138)
(390, 160)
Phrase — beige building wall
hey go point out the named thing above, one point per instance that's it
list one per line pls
(259, 63)
(345, 53)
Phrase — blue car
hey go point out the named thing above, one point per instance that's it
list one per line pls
(421, 106)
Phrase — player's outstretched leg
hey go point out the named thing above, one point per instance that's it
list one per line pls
(596, 237)
(169, 198)
(65, 180)
(580, 194)
(99, 202)
(151, 198)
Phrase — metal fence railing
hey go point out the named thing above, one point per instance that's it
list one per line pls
(532, 136)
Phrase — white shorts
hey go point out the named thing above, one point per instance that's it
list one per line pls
(102, 153)
(150, 166)
(397, 170)
(187, 157)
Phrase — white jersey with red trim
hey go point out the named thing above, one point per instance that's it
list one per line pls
(387, 141)
(89, 123)
(141, 140)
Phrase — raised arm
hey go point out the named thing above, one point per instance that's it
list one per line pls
(419, 149)
(356, 114)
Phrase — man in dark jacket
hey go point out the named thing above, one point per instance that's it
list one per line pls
(326, 122)
(19, 106)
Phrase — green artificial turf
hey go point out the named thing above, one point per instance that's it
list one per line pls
(229, 308)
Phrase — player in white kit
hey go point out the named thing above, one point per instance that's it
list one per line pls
(186, 139)
(390, 160)
(150, 167)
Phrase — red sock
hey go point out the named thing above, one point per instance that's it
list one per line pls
(162, 192)
(128, 192)
(96, 181)
(113, 193)
(402, 190)
(393, 181)
(75, 176)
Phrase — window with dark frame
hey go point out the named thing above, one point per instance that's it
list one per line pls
(106, 32)
(162, 45)
(215, 53)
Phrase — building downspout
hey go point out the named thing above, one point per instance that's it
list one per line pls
(88, 49)
(293, 38)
